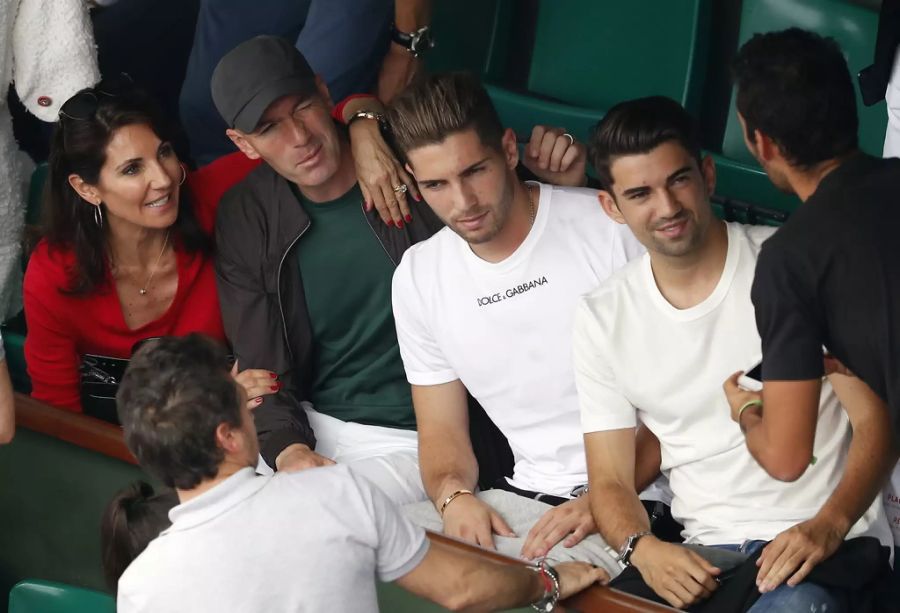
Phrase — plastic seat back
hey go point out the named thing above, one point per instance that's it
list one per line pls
(35, 596)
(588, 55)
(596, 53)
(852, 26)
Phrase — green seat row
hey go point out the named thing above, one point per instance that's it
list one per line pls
(587, 55)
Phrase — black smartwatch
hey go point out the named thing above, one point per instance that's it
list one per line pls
(418, 41)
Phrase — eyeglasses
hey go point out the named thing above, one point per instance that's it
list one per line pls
(83, 105)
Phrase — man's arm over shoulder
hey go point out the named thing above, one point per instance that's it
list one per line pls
(253, 322)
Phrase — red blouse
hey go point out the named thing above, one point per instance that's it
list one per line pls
(62, 327)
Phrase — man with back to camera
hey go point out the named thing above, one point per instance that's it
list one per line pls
(486, 306)
(653, 343)
(292, 302)
(187, 422)
(830, 277)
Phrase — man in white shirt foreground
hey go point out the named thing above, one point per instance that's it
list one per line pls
(654, 343)
(486, 306)
(304, 541)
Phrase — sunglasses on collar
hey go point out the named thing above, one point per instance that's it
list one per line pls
(84, 104)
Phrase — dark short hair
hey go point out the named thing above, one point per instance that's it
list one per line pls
(175, 393)
(133, 518)
(794, 86)
(79, 147)
(636, 127)
(436, 106)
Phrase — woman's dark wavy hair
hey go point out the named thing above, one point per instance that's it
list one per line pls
(133, 518)
(79, 147)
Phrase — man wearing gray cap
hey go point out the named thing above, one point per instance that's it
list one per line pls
(316, 311)
(304, 274)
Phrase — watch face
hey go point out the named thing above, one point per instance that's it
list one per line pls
(421, 41)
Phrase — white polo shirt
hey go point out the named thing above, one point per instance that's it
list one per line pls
(311, 541)
(638, 357)
(504, 329)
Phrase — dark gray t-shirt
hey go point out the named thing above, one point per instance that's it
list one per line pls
(831, 277)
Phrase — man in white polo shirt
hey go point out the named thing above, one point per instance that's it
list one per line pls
(654, 343)
(486, 305)
(313, 540)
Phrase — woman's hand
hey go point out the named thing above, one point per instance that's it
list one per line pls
(384, 182)
(256, 383)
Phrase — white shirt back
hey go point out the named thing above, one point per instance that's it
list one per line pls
(294, 542)
(504, 329)
(638, 357)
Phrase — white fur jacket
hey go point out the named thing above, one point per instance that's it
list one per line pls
(47, 52)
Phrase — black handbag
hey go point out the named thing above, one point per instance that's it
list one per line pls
(100, 378)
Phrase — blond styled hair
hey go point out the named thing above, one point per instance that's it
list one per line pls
(436, 106)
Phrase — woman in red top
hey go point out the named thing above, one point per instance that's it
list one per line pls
(124, 257)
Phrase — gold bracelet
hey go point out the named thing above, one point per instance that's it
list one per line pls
(450, 498)
(756, 402)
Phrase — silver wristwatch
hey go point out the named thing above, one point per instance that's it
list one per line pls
(628, 547)
(548, 601)
(418, 41)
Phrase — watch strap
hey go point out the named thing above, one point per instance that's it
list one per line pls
(630, 544)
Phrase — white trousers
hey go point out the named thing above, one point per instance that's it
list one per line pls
(892, 97)
(387, 457)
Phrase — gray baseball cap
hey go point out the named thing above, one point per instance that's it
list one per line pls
(255, 74)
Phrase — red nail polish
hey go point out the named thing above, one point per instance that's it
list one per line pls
(273, 375)
(399, 225)
(258, 400)
(417, 198)
(408, 218)
(275, 387)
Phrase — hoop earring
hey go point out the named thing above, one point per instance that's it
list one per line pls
(98, 215)
(183, 174)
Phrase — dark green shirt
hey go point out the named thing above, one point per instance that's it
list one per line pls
(357, 371)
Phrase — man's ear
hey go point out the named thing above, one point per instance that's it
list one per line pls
(227, 438)
(241, 142)
(409, 170)
(87, 192)
(322, 88)
(708, 170)
(767, 149)
(510, 148)
(610, 206)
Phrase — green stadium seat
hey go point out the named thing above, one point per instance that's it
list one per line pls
(470, 35)
(34, 596)
(853, 27)
(589, 55)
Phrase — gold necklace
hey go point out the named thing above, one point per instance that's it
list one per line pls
(531, 202)
(143, 290)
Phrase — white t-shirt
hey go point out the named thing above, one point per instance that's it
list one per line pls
(892, 504)
(638, 357)
(309, 541)
(504, 329)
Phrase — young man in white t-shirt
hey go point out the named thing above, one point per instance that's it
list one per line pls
(654, 343)
(486, 306)
(313, 540)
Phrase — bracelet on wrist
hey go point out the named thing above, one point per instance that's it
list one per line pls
(451, 498)
(756, 402)
(382, 122)
(550, 579)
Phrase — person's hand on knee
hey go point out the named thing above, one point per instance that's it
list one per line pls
(570, 522)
